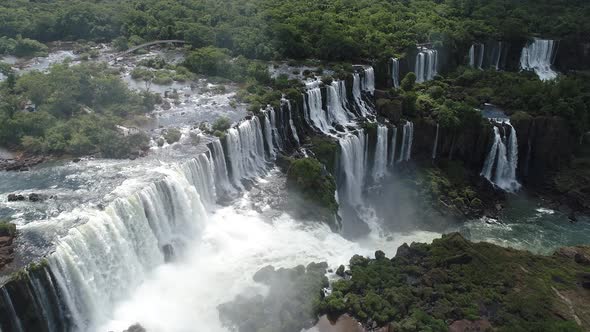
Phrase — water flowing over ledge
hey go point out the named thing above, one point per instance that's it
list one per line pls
(539, 56)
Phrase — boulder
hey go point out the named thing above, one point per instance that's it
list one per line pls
(34, 197)
(15, 197)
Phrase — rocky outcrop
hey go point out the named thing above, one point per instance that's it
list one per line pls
(573, 54)
(545, 145)
(7, 235)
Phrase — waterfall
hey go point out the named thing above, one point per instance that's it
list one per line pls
(380, 158)
(100, 262)
(15, 320)
(434, 148)
(43, 304)
(291, 123)
(268, 135)
(392, 146)
(395, 72)
(336, 109)
(426, 64)
(501, 162)
(407, 139)
(353, 164)
(313, 108)
(538, 56)
(368, 83)
(276, 133)
(476, 55)
(245, 151)
(496, 55)
(357, 95)
(222, 184)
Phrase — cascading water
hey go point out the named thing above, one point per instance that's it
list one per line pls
(538, 56)
(353, 167)
(292, 126)
(336, 94)
(435, 147)
(368, 83)
(15, 320)
(276, 136)
(496, 55)
(426, 64)
(222, 183)
(407, 139)
(313, 108)
(501, 162)
(245, 151)
(380, 157)
(392, 146)
(395, 72)
(476, 55)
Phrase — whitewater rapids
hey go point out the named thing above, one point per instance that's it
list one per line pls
(235, 243)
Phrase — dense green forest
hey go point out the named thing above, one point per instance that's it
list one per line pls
(268, 29)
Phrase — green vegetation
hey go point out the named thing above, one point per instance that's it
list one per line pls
(309, 178)
(7, 229)
(427, 287)
(448, 189)
(172, 135)
(290, 304)
(72, 110)
(22, 47)
(267, 29)
(567, 97)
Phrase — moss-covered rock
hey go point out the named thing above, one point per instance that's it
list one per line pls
(455, 281)
(325, 149)
(311, 185)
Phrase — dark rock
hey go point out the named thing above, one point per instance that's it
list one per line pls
(317, 267)
(135, 328)
(34, 197)
(459, 259)
(340, 128)
(379, 254)
(166, 105)
(76, 160)
(15, 197)
(264, 275)
(168, 251)
(340, 271)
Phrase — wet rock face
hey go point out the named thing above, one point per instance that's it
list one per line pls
(545, 144)
(7, 235)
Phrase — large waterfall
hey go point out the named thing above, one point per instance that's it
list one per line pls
(407, 139)
(476, 55)
(245, 151)
(313, 108)
(336, 105)
(426, 64)
(395, 72)
(502, 159)
(538, 56)
(392, 146)
(353, 166)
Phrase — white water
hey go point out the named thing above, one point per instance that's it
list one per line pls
(291, 123)
(15, 318)
(246, 151)
(497, 55)
(538, 56)
(395, 72)
(368, 83)
(426, 65)
(314, 110)
(435, 147)
(380, 158)
(276, 136)
(392, 147)
(407, 139)
(502, 159)
(235, 244)
(336, 94)
(353, 167)
(357, 95)
(476, 55)
(268, 134)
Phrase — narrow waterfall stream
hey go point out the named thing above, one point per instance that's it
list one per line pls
(502, 159)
